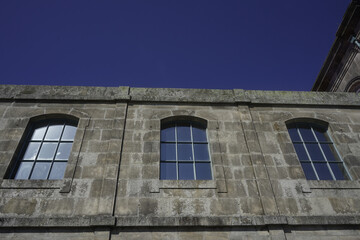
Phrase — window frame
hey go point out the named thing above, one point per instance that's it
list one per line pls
(338, 159)
(173, 123)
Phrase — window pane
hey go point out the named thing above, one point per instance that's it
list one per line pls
(69, 133)
(183, 132)
(168, 171)
(323, 171)
(54, 132)
(315, 152)
(185, 152)
(201, 152)
(63, 152)
(320, 134)
(329, 152)
(38, 133)
(40, 170)
(168, 151)
(168, 134)
(203, 171)
(309, 171)
(299, 148)
(47, 151)
(199, 134)
(306, 134)
(24, 170)
(339, 171)
(186, 171)
(31, 151)
(57, 170)
(294, 135)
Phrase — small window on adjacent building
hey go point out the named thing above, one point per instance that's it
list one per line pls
(184, 151)
(316, 152)
(46, 150)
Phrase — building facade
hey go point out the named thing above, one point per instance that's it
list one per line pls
(178, 164)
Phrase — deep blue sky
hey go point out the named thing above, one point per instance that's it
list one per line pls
(224, 44)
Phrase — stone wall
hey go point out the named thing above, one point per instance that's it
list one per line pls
(112, 188)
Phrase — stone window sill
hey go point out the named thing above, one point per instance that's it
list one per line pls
(31, 184)
(184, 184)
(322, 184)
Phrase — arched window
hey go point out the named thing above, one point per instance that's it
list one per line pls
(316, 152)
(46, 150)
(184, 151)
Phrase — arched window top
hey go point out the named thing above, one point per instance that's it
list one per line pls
(310, 121)
(46, 149)
(195, 120)
(353, 85)
(184, 150)
(316, 151)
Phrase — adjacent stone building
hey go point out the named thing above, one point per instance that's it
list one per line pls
(135, 163)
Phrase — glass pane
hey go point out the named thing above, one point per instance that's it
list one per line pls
(201, 152)
(203, 171)
(69, 133)
(63, 152)
(309, 171)
(167, 171)
(57, 170)
(185, 152)
(186, 171)
(300, 151)
(329, 152)
(168, 134)
(38, 133)
(31, 151)
(294, 134)
(47, 151)
(339, 171)
(320, 134)
(24, 170)
(168, 151)
(315, 152)
(306, 134)
(183, 132)
(40, 170)
(53, 132)
(199, 134)
(323, 171)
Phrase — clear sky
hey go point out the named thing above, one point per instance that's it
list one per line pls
(222, 44)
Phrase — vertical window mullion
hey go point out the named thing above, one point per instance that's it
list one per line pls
(307, 153)
(41, 144)
(322, 152)
(192, 149)
(57, 148)
(176, 154)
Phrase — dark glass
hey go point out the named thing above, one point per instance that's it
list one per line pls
(168, 134)
(184, 152)
(322, 171)
(300, 151)
(294, 134)
(31, 151)
(201, 152)
(24, 170)
(38, 133)
(306, 134)
(309, 171)
(199, 134)
(329, 152)
(320, 134)
(57, 170)
(183, 132)
(168, 151)
(315, 152)
(47, 151)
(186, 171)
(168, 171)
(63, 152)
(54, 132)
(203, 171)
(69, 133)
(338, 171)
(41, 170)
